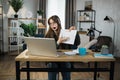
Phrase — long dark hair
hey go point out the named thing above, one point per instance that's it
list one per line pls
(50, 33)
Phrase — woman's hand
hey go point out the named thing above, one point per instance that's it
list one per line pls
(72, 28)
(62, 39)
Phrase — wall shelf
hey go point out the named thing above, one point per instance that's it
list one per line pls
(85, 17)
(16, 33)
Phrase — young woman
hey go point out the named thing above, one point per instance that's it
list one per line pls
(53, 32)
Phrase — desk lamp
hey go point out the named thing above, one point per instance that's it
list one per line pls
(109, 19)
(91, 32)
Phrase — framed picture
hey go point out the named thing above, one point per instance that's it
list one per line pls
(88, 5)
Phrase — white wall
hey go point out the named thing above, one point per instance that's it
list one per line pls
(105, 8)
(116, 18)
(56, 7)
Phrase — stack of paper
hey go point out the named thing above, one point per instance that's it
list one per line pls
(70, 53)
(99, 55)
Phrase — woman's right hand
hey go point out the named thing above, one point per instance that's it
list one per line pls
(62, 39)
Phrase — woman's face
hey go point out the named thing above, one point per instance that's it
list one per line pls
(53, 25)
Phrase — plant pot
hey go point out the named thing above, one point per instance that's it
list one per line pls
(15, 16)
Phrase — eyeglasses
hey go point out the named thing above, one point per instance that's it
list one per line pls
(54, 23)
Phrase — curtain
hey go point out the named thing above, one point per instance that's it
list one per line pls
(70, 13)
(42, 6)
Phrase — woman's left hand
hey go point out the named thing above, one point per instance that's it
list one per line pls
(72, 28)
(62, 39)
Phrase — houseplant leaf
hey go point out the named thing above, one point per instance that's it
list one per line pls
(16, 4)
(29, 29)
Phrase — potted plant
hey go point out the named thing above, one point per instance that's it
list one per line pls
(16, 5)
(29, 29)
(40, 13)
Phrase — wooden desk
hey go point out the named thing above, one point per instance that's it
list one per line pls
(64, 58)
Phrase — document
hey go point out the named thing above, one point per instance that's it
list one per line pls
(99, 55)
(75, 51)
(70, 53)
(68, 34)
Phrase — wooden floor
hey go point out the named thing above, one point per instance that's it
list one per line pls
(7, 70)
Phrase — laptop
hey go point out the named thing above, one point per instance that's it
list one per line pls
(41, 46)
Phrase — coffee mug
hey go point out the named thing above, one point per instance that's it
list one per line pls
(82, 51)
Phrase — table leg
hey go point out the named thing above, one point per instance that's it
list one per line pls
(111, 71)
(17, 70)
(95, 72)
(28, 72)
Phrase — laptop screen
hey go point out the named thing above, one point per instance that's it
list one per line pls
(41, 46)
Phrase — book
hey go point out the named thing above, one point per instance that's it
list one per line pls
(99, 55)
(68, 34)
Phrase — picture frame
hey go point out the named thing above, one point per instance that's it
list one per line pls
(88, 5)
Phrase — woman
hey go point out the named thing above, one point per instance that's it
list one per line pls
(53, 32)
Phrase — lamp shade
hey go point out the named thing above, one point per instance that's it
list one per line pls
(109, 19)
(106, 18)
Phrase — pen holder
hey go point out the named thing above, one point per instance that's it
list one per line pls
(82, 51)
(104, 49)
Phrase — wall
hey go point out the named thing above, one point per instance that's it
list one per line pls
(56, 7)
(116, 11)
(106, 8)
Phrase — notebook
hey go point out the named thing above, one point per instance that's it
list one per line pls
(99, 55)
(41, 46)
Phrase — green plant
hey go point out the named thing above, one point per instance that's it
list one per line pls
(16, 4)
(40, 12)
(29, 29)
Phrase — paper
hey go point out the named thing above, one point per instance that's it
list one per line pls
(70, 53)
(75, 51)
(69, 34)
